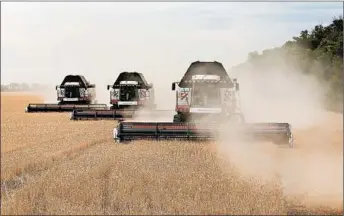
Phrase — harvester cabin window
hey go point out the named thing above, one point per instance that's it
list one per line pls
(128, 93)
(206, 95)
(72, 92)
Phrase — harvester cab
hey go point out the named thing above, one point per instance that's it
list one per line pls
(74, 92)
(207, 92)
(131, 91)
(206, 100)
(75, 89)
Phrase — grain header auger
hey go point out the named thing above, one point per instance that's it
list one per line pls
(128, 94)
(74, 93)
(207, 107)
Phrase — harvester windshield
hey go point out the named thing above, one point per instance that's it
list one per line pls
(206, 95)
(72, 92)
(129, 93)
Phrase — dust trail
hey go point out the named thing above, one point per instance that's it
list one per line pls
(102, 94)
(148, 115)
(313, 170)
(50, 95)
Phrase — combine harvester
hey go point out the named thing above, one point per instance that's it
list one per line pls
(74, 93)
(129, 94)
(207, 106)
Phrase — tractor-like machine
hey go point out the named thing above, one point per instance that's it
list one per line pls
(128, 94)
(207, 107)
(74, 93)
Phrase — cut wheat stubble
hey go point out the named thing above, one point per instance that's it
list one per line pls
(76, 168)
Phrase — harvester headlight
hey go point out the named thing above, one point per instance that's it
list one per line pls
(82, 92)
(61, 92)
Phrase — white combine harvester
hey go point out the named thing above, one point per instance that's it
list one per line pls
(74, 93)
(128, 94)
(206, 100)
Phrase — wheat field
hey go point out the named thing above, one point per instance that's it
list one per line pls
(51, 165)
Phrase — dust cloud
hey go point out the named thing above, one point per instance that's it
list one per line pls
(313, 170)
(50, 94)
(151, 115)
(281, 95)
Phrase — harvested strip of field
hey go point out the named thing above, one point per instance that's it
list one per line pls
(58, 166)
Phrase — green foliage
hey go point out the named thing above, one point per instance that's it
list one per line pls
(318, 53)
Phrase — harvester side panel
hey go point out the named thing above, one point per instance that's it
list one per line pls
(146, 97)
(114, 95)
(183, 99)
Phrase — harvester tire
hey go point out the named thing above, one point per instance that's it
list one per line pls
(114, 107)
(177, 118)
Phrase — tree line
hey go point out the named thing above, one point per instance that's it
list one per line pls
(317, 52)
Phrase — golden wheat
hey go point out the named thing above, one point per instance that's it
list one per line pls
(51, 165)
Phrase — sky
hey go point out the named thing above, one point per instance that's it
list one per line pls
(44, 41)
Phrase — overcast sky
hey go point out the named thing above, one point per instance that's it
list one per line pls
(42, 42)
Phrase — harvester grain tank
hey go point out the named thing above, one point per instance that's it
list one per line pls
(207, 102)
(129, 93)
(74, 93)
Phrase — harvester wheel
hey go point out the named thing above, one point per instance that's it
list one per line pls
(177, 118)
(285, 141)
(291, 141)
(115, 137)
(115, 106)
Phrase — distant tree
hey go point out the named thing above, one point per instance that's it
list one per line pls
(4, 88)
(25, 87)
(14, 86)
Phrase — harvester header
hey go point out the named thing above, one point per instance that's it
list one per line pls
(279, 133)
